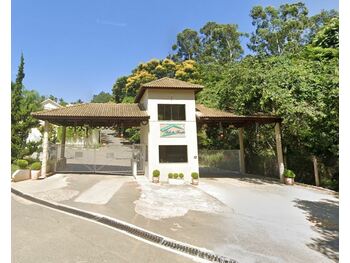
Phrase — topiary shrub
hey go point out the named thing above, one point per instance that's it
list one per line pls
(195, 175)
(181, 175)
(22, 164)
(176, 175)
(170, 175)
(156, 173)
(35, 166)
(288, 173)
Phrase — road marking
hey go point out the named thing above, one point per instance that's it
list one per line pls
(100, 193)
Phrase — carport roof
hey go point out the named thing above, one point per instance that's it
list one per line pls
(211, 115)
(95, 114)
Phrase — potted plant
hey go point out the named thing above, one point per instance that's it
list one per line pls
(155, 178)
(23, 173)
(195, 178)
(35, 170)
(289, 176)
(176, 178)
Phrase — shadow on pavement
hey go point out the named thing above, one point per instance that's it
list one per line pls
(325, 217)
(206, 172)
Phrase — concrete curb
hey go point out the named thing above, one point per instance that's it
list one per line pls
(132, 230)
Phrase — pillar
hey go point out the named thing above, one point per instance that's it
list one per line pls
(63, 142)
(317, 177)
(279, 150)
(45, 149)
(241, 151)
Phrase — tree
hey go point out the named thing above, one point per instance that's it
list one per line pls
(23, 102)
(278, 31)
(126, 87)
(102, 97)
(220, 42)
(187, 45)
(118, 89)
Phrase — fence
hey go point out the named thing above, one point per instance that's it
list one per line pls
(221, 160)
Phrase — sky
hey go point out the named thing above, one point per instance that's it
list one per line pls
(74, 49)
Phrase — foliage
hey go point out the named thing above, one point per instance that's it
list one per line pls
(215, 43)
(36, 166)
(156, 173)
(102, 97)
(22, 164)
(288, 173)
(285, 29)
(14, 168)
(176, 175)
(126, 87)
(181, 175)
(194, 175)
(23, 102)
(187, 45)
(170, 175)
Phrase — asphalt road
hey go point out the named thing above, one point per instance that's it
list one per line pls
(40, 234)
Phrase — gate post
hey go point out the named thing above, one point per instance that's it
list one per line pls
(45, 149)
(279, 150)
(241, 151)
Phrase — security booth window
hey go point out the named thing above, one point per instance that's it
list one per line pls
(171, 112)
(173, 153)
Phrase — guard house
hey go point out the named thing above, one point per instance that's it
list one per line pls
(168, 116)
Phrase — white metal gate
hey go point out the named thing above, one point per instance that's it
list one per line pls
(109, 159)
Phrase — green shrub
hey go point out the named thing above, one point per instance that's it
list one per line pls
(29, 159)
(22, 164)
(181, 175)
(170, 175)
(156, 173)
(195, 175)
(176, 175)
(288, 174)
(35, 166)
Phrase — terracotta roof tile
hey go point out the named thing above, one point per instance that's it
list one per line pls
(167, 83)
(95, 110)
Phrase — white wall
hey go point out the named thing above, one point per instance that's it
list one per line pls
(152, 98)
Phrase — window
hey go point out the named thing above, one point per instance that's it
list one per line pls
(171, 112)
(173, 153)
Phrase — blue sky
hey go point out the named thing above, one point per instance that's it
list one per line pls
(74, 49)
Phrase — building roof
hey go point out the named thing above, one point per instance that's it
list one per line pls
(50, 101)
(93, 114)
(167, 83)
(211, 115)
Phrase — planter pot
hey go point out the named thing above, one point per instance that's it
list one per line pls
(176, 181)
(195, 181)
(34, 174)
(21, 175)
(155, 180)
(288, 181)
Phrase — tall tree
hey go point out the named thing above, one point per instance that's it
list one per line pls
(220, 42)
(187, 45)
(23, 102)
(278, 31)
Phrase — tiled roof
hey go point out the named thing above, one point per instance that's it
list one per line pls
(102, 110)
(167, 83)
(205, 114)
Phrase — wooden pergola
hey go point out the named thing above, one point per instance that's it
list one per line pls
(133, 115)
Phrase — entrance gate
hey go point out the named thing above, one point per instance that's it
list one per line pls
(108, 159)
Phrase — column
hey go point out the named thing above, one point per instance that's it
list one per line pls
(63, 142)
(241, 151)
(45, 149)
(279, 150)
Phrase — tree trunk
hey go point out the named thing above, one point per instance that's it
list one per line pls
(317, 178)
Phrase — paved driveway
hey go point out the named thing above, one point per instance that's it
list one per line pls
(250, 220)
